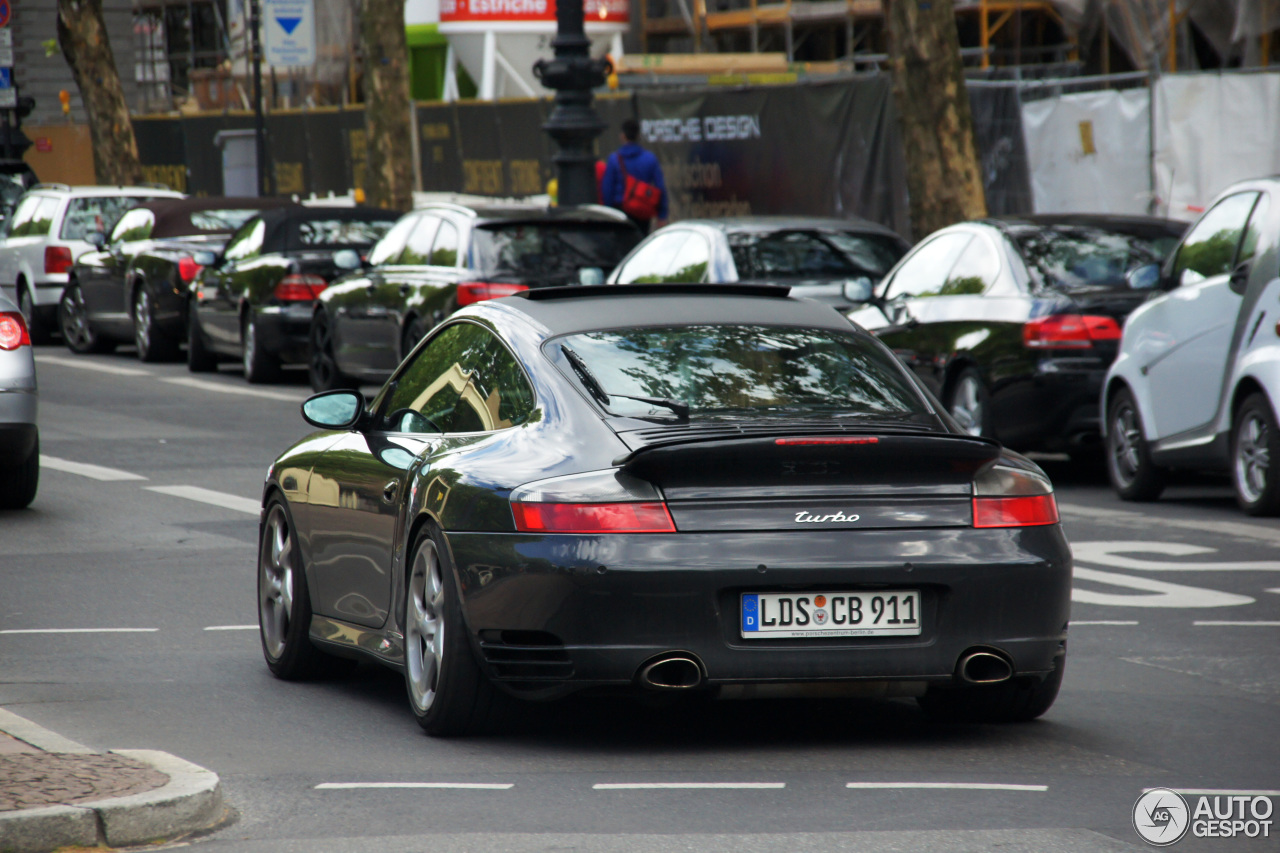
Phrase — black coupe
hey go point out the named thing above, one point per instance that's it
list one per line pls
(678, 487)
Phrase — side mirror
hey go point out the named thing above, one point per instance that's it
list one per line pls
(347, 259)
(590, 276)
(96, 239)
(339, 409)
(1145, 277)
(1239, 278)
(857, 290)
(205, 258)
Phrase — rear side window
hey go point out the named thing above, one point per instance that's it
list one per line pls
(925, 272)
(444, 251)
(551, 249)
(653, 259)
(737, 371)
(390, 246)
(341, 233)
(463, 380)
(90, 214)
(24, 222)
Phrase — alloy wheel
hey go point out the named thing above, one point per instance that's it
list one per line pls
(75, 329)
(250, 345)
(142, 321)
(276, 578)
(1124, 438)
(424, 627)
(1253, 456)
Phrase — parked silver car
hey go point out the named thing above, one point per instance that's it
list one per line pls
(19, 435)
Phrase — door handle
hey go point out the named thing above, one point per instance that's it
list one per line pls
(389, 491)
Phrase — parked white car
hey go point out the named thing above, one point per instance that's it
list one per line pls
(1197, 381)
(47, 232)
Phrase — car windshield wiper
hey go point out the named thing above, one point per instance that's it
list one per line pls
(584, 374)
(681, 409)
(603, 397)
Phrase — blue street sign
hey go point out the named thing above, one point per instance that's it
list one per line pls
(6, 78)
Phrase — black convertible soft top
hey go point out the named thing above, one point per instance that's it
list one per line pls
(173, 216)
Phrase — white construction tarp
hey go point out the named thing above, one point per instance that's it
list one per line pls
(1089, 152)
(1212, 130)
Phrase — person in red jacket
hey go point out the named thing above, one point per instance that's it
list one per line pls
(633, 181)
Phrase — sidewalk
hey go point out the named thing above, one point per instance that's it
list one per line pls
(55, 792)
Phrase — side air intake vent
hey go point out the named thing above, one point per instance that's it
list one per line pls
(525, 655)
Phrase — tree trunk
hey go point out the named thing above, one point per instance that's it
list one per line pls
(83, 38)
(386, 104)
(944, 179)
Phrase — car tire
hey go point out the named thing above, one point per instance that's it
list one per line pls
(260, 366)
(448, 693)
(1017, 700)
(200, 359)
(1134, 477)
(322, 365)
(153, 344)
(284, 604)
(969, 403)
(77, 332)
(36, 329)
(18, 482)
(1255, 442)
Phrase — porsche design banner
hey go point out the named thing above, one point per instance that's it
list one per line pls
(825, 149)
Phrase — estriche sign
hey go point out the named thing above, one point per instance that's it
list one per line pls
(480, 11)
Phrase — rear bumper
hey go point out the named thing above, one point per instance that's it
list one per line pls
(615, 602)
(285, 330)
(1054, 409)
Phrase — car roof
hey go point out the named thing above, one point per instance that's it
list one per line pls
(1132, 225)
(173, 216)
(743, 224)
(529, 212)
(571, 310)
(92, 190)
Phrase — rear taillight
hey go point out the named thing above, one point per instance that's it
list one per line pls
(608, 501)
(57, 259)
(13, 331)
(593, 518)
(299, 287)
(1004, 496)
(188, 269)
(1069, 331)
(471, 292)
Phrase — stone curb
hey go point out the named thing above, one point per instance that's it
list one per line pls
(191, 801)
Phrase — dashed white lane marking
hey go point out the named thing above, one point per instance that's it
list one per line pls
(231, 627)
(1223, 623)
(79, 631)
(1104, 622)
(465, 786)
(653, 786)
(209, 496)
(84, 469)
(221, 388)
(91, 365)
(1277, 590)
(959, 786)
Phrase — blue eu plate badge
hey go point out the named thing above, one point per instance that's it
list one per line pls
(750, 613)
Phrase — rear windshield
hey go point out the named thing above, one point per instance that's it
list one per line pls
(341, 233)
(96, 213)
(1076, 258)
(812, 254)
(541, 248)
(746, 371)
(224, 220)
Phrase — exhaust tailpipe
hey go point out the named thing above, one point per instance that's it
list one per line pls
(673, 672)
(980, 667)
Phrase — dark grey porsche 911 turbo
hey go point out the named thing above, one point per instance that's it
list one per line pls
(692, 488)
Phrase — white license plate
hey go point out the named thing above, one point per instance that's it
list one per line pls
(892, 613)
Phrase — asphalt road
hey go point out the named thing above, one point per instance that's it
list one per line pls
(128, 620)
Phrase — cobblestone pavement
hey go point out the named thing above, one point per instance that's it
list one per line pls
(30, 777)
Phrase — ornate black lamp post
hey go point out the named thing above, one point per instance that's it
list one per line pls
(573, 124)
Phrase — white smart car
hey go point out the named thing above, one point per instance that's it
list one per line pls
(1197, 381)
